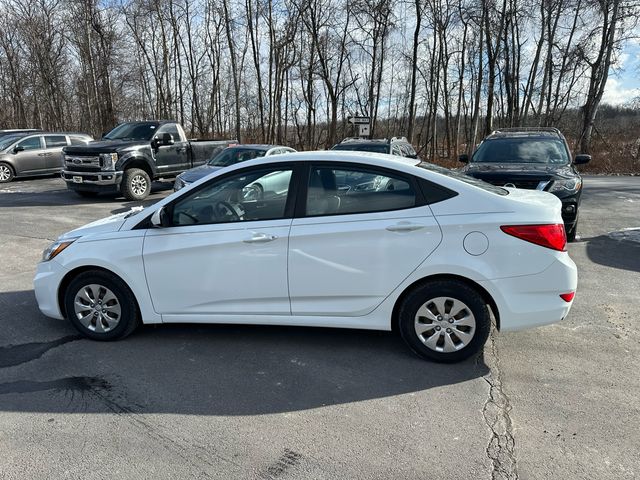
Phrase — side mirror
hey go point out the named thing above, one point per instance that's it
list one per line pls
(166, 139)
(582, 158)
(18, 148)
(160, 219)
(464, 158)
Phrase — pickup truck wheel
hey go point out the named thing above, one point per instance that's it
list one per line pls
(6, 172)
(136, 184)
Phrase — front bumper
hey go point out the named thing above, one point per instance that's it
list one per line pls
(534, 300)
(100, 178)
(46, 283)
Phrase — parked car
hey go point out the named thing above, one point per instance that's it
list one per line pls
(395, 146)
(429, 258)
(228, 156)
(533, 158)
(132, 155)
(26, 154)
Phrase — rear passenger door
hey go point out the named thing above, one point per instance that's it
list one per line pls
(360, 232)
(53, 151)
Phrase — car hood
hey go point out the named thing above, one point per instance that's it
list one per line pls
(105, 146)
(495, 170)
(197, 173)
(104, 225)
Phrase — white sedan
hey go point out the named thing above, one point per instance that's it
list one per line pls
(354, 240)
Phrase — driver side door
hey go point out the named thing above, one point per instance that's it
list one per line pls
(225, 252)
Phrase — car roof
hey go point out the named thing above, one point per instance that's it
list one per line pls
(378, 159)
(257, 146)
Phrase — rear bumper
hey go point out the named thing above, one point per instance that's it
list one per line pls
(534, 300)
(45, 284)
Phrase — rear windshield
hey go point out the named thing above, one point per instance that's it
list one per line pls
(233, 155)
(363, 147)
(464, 178)
(522, 150)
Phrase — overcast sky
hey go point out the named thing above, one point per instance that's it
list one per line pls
(624, 82)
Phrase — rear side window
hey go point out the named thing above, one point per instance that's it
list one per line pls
(464, 178)
(52, 141)
(341, 191)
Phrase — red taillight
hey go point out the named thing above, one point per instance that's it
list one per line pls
(549, 236)
(567, 297)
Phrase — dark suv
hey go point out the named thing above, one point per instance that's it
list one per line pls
(533, 158)
(396, 146)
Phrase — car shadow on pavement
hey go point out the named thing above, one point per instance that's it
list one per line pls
(209, 369)
(614, 251)
(62, 197)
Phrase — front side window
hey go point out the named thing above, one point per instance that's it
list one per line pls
(245, 197)
(339, 191)
(53, 141)
(32, 143)
(171, 129)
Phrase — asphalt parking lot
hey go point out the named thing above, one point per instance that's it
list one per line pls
(234, 402)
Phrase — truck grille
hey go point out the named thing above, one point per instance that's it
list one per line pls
(80, 163)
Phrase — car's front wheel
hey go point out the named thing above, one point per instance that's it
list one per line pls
(101, 306)
(444, 321)
(6, 172)
(136, 184)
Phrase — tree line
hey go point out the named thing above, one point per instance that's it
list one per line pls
(442, 72)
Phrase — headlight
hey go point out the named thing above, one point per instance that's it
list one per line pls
(108, 161)
(571, 185)
(179, 183)
(56, 247)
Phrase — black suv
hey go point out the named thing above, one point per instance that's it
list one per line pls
(396, 146)
(535, 158)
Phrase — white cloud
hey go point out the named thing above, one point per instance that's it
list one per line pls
(616, 94)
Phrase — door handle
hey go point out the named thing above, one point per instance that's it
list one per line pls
(404, 227)
(260, 238)
(42, 154)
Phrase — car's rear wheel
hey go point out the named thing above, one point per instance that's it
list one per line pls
(101, 306)
(6, 173)
(444, 321)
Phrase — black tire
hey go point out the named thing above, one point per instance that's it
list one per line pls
(128, 319)
(6, 172)
(571, 233)
(136, 184)
(86, 193)
(453, 290)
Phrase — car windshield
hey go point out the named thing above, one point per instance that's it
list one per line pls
(9, 140)
(522, 150)
(233, 155)
(363, 147)
(464, 178)
(132, 131)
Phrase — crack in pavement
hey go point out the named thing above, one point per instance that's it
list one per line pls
(496, 413)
